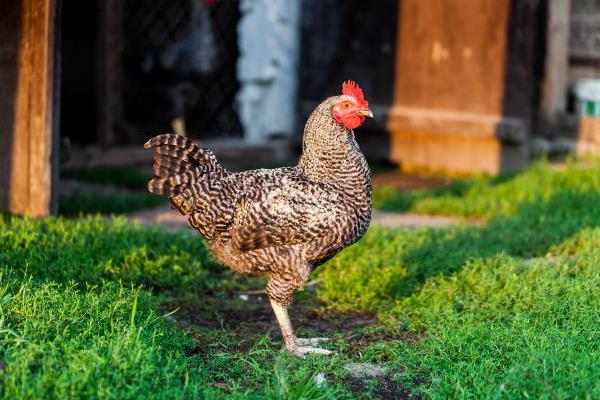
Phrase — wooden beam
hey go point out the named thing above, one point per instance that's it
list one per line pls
(463, 85)
(26, 109)
(554, 97)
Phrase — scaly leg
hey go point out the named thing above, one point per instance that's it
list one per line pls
(295, 345)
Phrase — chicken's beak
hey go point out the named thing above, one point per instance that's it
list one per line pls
(365, 113)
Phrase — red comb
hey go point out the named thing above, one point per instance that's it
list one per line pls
(351, 88)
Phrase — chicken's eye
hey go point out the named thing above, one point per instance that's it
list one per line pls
(346, 105)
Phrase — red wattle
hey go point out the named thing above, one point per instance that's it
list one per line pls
(353, 122)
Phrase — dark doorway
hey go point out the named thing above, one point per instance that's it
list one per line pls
(78, 120)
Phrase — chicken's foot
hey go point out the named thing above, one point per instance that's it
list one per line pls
(294, 345)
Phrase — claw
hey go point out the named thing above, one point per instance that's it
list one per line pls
(294, 345)
(302, 346)
(313, 350)
(311, 341)
(302, 351)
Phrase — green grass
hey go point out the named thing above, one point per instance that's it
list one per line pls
(80, 316)
(79, 202)
(502, 328)
(508, 309)
(491, 197)
(120, 176)
(386, 265)
(132, 197)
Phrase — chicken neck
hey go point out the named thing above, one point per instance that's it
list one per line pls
(329, 150)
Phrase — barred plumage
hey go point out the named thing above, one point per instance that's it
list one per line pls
(282, 222)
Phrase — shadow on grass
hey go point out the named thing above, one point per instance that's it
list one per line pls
(79, 202)
(530, 233)
(389, 198)
(125, 177)
(390, 264)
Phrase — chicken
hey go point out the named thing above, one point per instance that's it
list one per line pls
(280, 222)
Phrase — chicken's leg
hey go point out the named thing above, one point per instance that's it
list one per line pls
(295, 345)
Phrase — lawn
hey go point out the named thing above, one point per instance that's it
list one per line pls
(509, 308)
(113, 190)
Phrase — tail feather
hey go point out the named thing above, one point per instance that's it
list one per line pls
(159, 186)
(178, 165)
(191, 175)
(181, 147)
(169, 139)
(162, 172)
(166, 166)
(172, 162)
(173, 152)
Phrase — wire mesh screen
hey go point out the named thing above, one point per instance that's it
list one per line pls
(179, 67)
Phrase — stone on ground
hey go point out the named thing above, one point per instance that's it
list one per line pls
(365, 370)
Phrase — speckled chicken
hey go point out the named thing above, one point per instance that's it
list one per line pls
(280, 222)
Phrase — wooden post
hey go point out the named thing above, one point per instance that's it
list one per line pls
(462, 98)
(26, 106)
(554, 98)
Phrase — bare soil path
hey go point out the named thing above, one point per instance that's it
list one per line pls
(170, 219)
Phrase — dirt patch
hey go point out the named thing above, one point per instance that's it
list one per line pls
(359, 341)
(163, 215)
(246, 322)
(249, 318)
(381, 388)
(254, 317)
(408, 220)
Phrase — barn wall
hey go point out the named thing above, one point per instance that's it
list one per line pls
(466, 84)
(26, 107)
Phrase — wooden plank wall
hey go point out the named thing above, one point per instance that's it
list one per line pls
(26, 106)
(554, 96)
(464, 85)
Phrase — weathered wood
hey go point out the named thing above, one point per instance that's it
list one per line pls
(464, 87)
(588, 139)
(554, 96)
(451, 55)
(26, 56)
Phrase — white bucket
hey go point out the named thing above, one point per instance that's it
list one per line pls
(587, 96)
